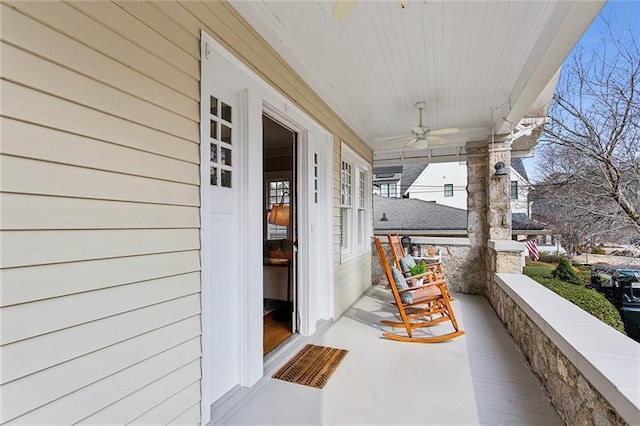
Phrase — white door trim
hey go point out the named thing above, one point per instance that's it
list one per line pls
(315, 302)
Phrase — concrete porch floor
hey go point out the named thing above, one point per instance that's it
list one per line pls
(479, 378)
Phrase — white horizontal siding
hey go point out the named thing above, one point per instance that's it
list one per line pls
(176, 391)
(31, 355)
(352, 279)
(46, 42)
(99, 191)
(191, 416)
(27, 212)
(66, 19)
(25, 321)
(25, 140)
(31, 71)
(25, 104)
(26, 248)
(44, 178)
(128, 367)
(27, 284)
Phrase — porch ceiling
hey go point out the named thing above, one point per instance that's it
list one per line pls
(476, 64)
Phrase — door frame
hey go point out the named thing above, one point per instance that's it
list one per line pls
(315, 302)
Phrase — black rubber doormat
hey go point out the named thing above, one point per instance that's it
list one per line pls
(312, 366)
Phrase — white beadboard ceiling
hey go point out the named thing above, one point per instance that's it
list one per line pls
(476, 64)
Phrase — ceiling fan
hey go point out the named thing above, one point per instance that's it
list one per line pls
(423, 135)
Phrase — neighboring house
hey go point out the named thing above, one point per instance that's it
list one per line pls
(145, 146)
(386, 181)
(446, 183)
(412, 216)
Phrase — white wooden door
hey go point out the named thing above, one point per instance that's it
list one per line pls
(220, 174)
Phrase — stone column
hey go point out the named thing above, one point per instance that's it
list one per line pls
(477, 225)
(499, 191)
(488, 211)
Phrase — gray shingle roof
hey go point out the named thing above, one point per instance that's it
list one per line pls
(518, 166)
(522, 222)
(386, 170)
(413, 214)
(410, 173)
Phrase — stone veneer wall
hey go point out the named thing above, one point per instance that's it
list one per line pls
(575, 399)
(456, 259)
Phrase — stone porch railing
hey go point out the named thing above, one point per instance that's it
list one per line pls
(590, 371)
(455, 251)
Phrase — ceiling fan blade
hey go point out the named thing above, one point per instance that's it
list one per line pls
(342, 8)
(397, 138)
(436, 139)
(444, 131)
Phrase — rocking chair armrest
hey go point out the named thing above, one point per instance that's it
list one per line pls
(418, 276)
(419, 287)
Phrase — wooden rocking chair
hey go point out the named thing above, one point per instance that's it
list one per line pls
(418, 305)
(397, 251)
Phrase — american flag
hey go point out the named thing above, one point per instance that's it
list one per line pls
(532, 247)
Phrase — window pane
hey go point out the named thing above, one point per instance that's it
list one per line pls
(225, 112)
(345, 178)
(514, 189)
(213, 106)
(213, 173)
(225, 134)
(214, 153)
(362, 227)
(448, 190)
(361, 188)
(225, 178)
(345, 229)
(214, 129)
(225, 156)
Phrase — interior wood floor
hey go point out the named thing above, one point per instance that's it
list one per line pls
(276, 328)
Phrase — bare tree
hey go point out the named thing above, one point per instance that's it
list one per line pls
(558, 205)
(590, 148)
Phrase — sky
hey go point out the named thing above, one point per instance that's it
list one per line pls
(623, 15)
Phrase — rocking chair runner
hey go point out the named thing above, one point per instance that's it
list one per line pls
(427, 300)
(398, 253)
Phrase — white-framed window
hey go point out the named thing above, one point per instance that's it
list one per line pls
(346, 208)
(514, 189)
(448, 190)
(389, 189)
(355, 204)
(278, 192)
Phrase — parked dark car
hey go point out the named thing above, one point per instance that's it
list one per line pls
(621, 286)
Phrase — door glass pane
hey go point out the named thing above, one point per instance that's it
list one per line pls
(214, 129)
(225, 178)
(214, 176)
(225, 156)
(214, 153)
(225, 112)
(225, 134)
(213, 106)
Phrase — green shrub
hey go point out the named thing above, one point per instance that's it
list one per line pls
(598, 250)
(538, 271)
(587, 299)
(565, 272)
(584, 271)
